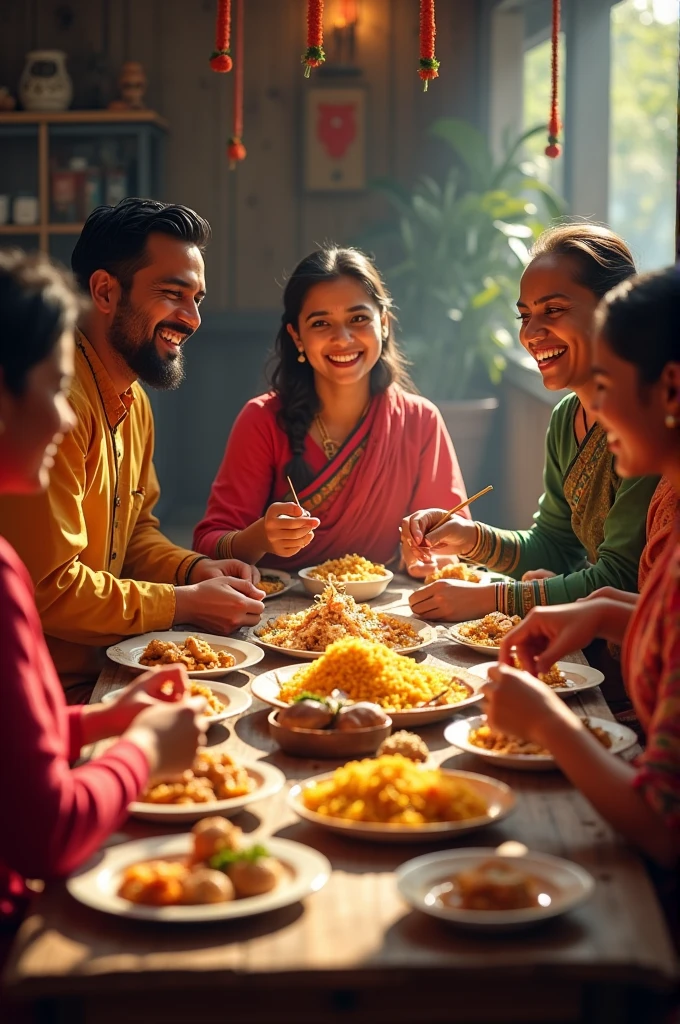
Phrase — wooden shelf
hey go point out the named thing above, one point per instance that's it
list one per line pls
(84, 117)
(63, 229)
(20, 229)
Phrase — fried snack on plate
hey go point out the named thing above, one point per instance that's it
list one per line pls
(219, 868)
(496, 885)
(333, 616)
(554, 677)
(392, 789)
(270, 584)
(348, 569)
(455, 571)
(490, 630)
(211, 777)
(197, 655)
(500, 743)
(367, 671)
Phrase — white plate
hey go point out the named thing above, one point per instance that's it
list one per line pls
(97, 885)
(360, 590)
(579, 677)
(236, 699)
(128, 652)
(457, 735)
(268, 781)
(499, 798)
(418, 879)
(266, 688)
(285, 577)
(425, 631)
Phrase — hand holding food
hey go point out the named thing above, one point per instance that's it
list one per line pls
(169, 734)
(519, 704)
(548, 633)
(452, 601)
(169, 683)
(288, 528)
(220, 604)
(209, 568)
(454, 537)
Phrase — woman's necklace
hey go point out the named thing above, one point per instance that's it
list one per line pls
(331, 447)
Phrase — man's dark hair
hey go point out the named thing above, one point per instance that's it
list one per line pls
(114, 237)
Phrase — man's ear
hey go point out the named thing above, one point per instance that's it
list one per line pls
(105, 292)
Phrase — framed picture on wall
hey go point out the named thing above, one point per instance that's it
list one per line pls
(335, 140)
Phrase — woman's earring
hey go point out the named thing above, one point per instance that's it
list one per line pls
(302, 358)
(671, 421)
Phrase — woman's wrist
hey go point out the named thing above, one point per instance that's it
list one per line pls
(470, 538)
(145, 740)
(96, 723)
(251, 543)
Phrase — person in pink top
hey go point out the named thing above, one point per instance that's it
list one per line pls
(53, 817)
(362, 451)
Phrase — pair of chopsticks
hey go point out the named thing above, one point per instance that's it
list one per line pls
(456, 508)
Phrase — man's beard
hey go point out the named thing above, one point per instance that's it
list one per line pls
(129, 336)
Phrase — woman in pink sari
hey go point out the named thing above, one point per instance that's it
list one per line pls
(361, 450)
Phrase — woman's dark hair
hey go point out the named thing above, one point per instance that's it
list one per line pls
(293, 381)
(114, 237)
(640, 321)
(39, 302)
(601, 258)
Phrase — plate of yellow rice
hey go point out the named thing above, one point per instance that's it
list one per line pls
(394, 799)
(369, 671)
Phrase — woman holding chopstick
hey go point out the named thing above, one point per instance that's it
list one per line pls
(361, 450)
(637, 401)
(589, 530)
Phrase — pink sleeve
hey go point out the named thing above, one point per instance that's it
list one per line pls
(245, 481)
(75, 731)
(53, 817)
(440, 481)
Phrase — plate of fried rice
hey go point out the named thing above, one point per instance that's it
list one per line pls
(393, 799)
(333, 616)
(366, 671)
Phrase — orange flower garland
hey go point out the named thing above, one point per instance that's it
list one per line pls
(429, 65)
(314, 55)
(236, 151)
(552, 149)
(220, 58)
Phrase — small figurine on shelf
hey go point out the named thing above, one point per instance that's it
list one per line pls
(7, 101)
(132, 86)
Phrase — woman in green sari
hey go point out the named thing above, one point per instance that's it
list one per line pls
(589, 530)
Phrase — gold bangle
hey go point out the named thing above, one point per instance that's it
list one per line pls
(475, 547)
(225, 544)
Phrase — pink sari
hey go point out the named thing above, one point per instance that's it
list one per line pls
(399, 459)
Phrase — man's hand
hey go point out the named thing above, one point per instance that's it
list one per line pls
(211, 568)
(221, 604)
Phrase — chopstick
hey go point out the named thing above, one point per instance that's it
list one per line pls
(457, 508)
(292, 489)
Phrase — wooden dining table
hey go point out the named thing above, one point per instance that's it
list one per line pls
(355, 950)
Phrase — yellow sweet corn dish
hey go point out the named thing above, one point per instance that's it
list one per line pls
(369, 671)
(393, 790)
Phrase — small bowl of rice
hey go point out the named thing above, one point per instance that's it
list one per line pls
(361, 578)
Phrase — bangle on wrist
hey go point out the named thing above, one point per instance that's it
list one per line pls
(192, 564)
(225, 544)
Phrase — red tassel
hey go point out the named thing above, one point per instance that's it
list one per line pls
(220, 59)
(236, 151)
(428, 64)
(552, 149)
(314, 55)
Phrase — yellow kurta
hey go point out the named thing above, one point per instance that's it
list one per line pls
(101, 567)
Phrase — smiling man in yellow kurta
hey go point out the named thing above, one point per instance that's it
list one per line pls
(101, 567)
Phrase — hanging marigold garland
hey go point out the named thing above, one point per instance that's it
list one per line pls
(429, 65)
(314, 55)
(236, 151)
(552, 149)
(220, 58)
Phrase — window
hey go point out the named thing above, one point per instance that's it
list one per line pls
(643, 127)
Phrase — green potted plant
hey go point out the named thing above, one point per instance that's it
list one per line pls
(462, 244)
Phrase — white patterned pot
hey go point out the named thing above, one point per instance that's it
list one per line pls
(45, 83)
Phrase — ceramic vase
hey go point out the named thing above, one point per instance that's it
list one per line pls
(45, 83)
